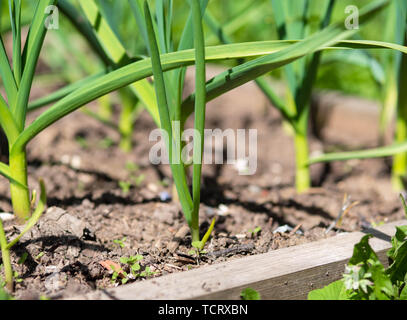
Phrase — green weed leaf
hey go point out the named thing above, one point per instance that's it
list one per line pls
(250, 294)
(334, 291)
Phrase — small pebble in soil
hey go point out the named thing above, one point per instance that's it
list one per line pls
(76, 162)
(254, 189)
(6, 216)
(86, 203)
(210, 212)
(165, 196)
(65, 159)
(152, 187)
(51, 269)
(223, 210)
(285, 229)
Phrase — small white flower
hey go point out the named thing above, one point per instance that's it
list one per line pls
(355, 278)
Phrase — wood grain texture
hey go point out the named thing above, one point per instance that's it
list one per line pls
(283, 274)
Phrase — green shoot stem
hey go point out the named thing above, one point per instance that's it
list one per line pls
(389, 104)
(15, 12)
(177, 168)
(208, 233)
(5, 255)
(5, 246)
(20, 195)
(302, 179)
(35, 217)
(200, 104)
(126, 121)
(400, 160)
(105, 107)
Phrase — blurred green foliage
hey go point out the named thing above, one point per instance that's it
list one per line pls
(348, 78)
(258, 25)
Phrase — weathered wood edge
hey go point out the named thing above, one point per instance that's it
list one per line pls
(283, 274)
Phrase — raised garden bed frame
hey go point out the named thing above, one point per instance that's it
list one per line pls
(283, 274)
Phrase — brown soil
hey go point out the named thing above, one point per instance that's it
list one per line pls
(89, 210)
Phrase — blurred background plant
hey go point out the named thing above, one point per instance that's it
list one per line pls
(393, 98)
(108, 45)
(293, 20)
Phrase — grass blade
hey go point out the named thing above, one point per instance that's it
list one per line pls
(276, 57)
(200, 108)
(7, 122)
(31, 54)
(133, 73)
(15, 18)
(261, 81)
(178, 169)
(332, 35)
(162, 26)
(63, 92)
(252, 11)
(35, 216)
(7, 75)
(6, 173)
(386, 151)
(400, 160)
(84, 28)
(5, 255)
(137, 8)
(186, 42)
(104, 32)
(115, 49)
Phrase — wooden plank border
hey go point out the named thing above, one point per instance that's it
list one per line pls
(283, 274)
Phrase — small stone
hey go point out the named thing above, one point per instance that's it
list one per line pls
(87, 179)
(6, 216)
(62, 221)
(65, 159)
(223, 210)
(210, 212)
(96, 271)
(76, 162)
(283, 229)
(165, 196)
(88, 204)
(254, 189)
(152, 187)
(51, 269)
(72, 252)
(54, 282)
